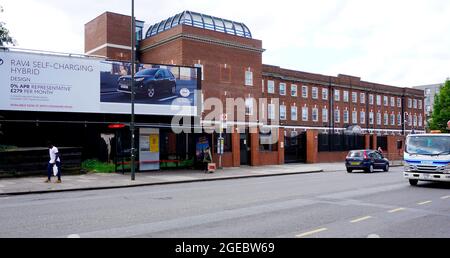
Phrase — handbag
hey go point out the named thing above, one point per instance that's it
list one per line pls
(55, 170)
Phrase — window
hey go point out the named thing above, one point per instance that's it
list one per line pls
(399, 119)
(354, 117)
(267, 141)
(249, 106)
(283, 89)
(248, 77)
(225, 73)
(324, 94)
(378, 100)
(378, 118)
(293, 90)
(371, 118)
(293, 113)
(305, 91)
(337, 116)
(345, 96)
(420, 104)
(363, 117)
(262, 85)
(324, 115)
(385, 101)
(410, 120)
(392, 102)
(420, 120)
(399, 102)
(304, 113)
(271, 111)
(428, 92)
(315, 114)
(370, 99)
(271, 87)
(409, 103)
(386, 119)
(392, 119)
(315, 93)
(345, 116)
(337, 95)
(282, 112)
(415, 103)
(201, 70)
(415, 120)
(354, 97)
(362, 98)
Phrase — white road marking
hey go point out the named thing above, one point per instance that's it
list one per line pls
(73, 236)
(312, 232)
(361, 219)
(373, 236)
(396, 210)
(445, 197)
(425, 202)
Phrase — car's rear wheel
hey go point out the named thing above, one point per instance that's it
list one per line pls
(370, 169)
(151, 92)
(386, 168)
(413, 182)
(349, 170)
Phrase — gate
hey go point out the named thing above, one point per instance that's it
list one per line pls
(295, 148)
(382, 142)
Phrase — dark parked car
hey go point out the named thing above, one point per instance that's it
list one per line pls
(151, 83)
(367, 160)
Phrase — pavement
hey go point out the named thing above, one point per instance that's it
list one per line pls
(96, 181)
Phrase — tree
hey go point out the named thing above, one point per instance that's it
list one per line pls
(5, 38)
(441, 109)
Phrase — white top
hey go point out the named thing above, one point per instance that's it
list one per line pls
(52, 153)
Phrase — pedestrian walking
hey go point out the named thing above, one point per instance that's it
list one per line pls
(380, 150)
(207, 158)
(55, 161)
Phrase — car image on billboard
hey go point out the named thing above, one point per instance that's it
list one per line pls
(150, 83)
(154, 84)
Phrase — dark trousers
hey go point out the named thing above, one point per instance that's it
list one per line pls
(50, 170)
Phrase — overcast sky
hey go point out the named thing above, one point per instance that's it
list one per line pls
(396, 42)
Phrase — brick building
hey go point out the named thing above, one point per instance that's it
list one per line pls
(315, 112)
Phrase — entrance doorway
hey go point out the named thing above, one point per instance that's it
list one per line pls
(295, 147)
(245, 148)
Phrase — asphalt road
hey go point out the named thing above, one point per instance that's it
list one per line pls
(329, 204)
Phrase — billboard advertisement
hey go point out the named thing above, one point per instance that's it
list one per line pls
(51, 83)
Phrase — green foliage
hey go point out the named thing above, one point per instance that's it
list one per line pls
(95, 166)
(441, 110)
(5, 38)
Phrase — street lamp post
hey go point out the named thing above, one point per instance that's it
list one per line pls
(133, 30)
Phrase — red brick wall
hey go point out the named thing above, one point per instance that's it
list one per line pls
(186, 45)
(268, 158)
(342, 83)
(109, 28)
(332, 156)
(393, 153)
(95, 33)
